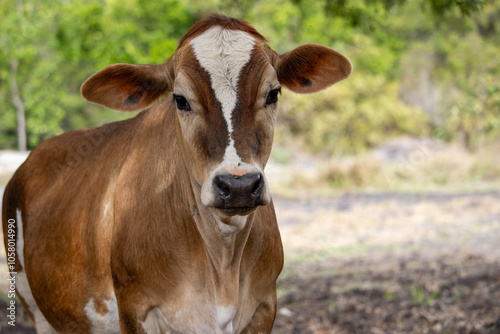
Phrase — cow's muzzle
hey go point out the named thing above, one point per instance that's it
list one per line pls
(238, 194)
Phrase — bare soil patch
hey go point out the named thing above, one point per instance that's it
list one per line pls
(390, 295)
(391, 263)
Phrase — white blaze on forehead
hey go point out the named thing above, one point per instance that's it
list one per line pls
(223, 53)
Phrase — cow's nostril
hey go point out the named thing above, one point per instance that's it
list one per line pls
(257, 186)
(222, 187)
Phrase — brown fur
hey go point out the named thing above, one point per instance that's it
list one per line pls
(155, 244)
(219, 20)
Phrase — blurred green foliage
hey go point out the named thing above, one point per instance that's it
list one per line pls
(362, 112)
(420, 68)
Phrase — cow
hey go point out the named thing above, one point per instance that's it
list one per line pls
(163, 223)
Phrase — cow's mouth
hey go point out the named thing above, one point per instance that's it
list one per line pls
(238, 211)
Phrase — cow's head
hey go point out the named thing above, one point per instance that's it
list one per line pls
(225, 83)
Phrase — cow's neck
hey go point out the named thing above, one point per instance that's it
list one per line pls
(225, 239)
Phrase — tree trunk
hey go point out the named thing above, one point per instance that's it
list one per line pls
(18, 103)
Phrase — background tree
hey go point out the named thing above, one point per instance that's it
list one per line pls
(421, 68)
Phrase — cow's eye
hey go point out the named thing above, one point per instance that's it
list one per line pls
(182, 103)
(273, 96)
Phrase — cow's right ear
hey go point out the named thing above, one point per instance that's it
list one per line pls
(127, 87)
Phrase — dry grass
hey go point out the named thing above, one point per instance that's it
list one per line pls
(451, 168)
(356, 224)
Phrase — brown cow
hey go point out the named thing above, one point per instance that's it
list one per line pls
(163, 223)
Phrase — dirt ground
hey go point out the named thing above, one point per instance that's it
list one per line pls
(391, 263)
(384, 263)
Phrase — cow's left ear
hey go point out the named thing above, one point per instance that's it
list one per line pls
(127, 87)
(311, 68)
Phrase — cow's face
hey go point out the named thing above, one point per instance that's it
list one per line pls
(226, 92)
(225, 83)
